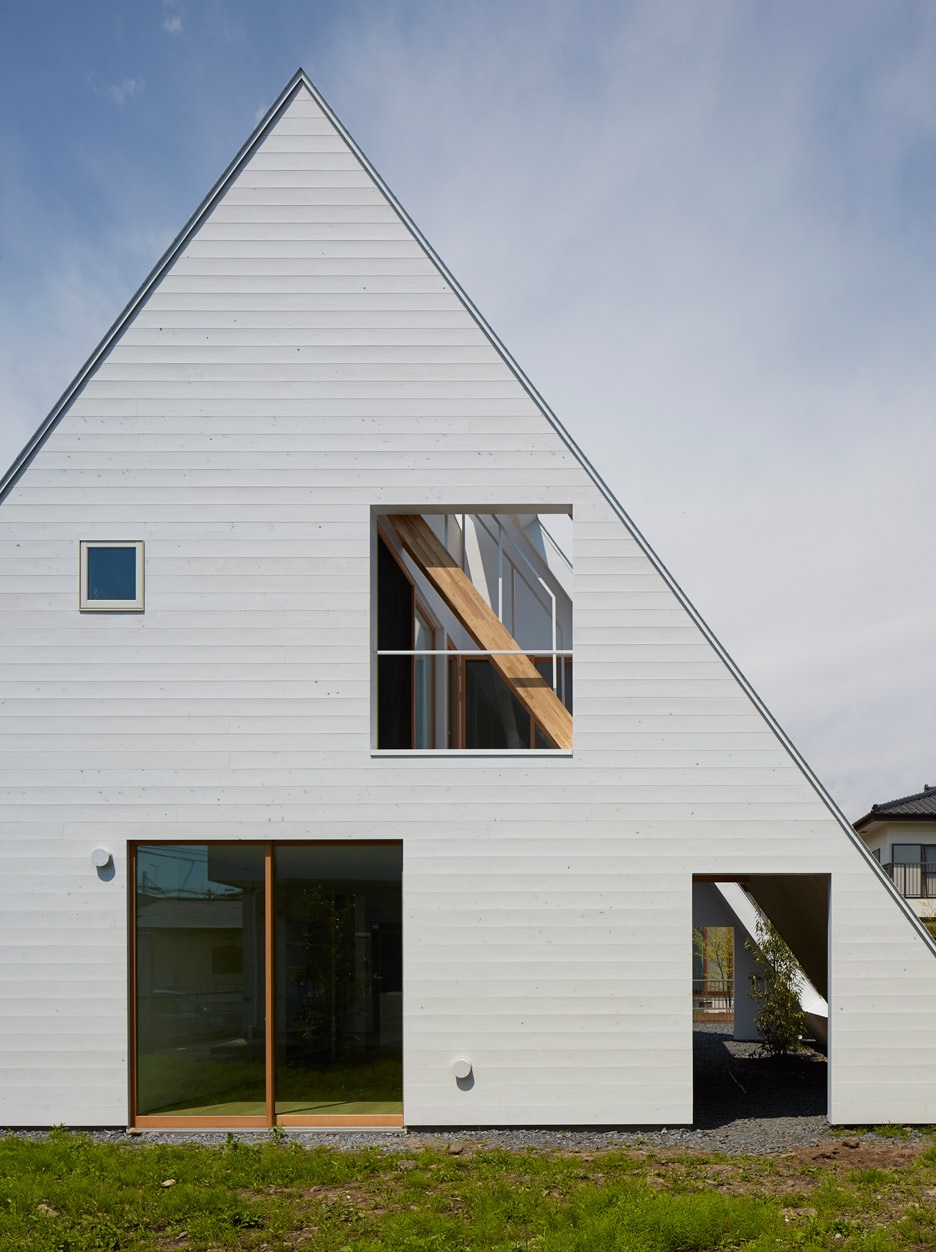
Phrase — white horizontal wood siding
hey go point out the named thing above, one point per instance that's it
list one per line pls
(301, 364)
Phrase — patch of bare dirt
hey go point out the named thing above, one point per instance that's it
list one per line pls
(349, 1196)
(795, 1172)
(856, 1153)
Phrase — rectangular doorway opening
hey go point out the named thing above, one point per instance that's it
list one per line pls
(734, 1074)
(267, 984)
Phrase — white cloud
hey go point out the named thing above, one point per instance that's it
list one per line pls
(127, 87)
(172, 22)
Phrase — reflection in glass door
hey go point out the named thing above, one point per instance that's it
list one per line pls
(269, 984)
(338, 981)
(200, 974)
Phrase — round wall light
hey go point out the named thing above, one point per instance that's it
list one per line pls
(461, 1068)
(100, 858)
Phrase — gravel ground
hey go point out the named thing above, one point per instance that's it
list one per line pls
(744, 1104)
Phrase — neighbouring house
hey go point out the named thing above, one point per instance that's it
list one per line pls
(901, 834)
(301, 822)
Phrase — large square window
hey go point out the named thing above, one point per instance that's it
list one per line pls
(472, 632)
(111, 576)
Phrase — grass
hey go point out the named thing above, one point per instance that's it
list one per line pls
(65, 1193)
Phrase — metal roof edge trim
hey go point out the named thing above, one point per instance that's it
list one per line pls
(100, 353)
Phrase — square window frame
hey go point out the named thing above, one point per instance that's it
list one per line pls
(379, 530)
(87, 605)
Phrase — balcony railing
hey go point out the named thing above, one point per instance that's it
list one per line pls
(913, 879)
(713, 995)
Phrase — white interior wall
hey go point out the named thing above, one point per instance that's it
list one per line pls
(709, 908)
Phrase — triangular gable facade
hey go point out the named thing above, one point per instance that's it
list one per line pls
(298, 371)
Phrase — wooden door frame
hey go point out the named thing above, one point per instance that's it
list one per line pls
(270, 1118)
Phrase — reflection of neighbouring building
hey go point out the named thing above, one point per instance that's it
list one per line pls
(190, 967)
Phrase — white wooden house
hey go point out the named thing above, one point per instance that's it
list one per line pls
(300, 822)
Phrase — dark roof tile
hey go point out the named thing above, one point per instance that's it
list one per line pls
(921, 804)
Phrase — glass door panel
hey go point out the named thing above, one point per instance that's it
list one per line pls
(200, 980)
(338, 981)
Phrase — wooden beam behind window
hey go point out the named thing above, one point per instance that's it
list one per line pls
(484, 627)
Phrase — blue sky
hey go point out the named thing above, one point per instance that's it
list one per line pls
(706, 231)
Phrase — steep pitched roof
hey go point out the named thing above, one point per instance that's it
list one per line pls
(301, 83)
(922, 804)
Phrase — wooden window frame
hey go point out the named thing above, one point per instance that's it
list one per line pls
(270, 1118)
(419, 606)
(454, 700)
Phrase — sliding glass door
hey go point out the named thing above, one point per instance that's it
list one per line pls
(339, 981)
(268, 984)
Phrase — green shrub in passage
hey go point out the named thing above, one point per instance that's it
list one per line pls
(781, 1021)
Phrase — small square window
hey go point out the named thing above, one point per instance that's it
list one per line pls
(111, 576)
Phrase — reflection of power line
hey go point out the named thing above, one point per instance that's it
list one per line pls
(188, 875)
(190, 893)
(192, 857)
(175, 852)
(193, 861)
(193, 853)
